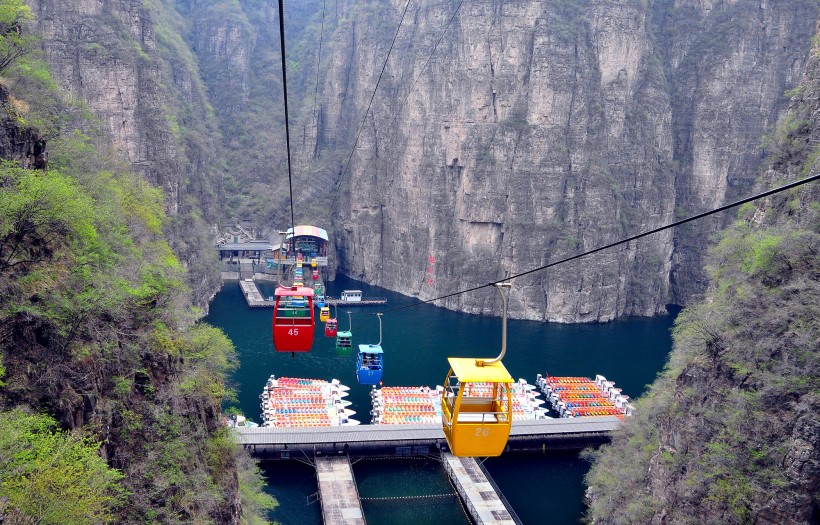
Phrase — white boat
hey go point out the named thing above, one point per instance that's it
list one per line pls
(238, 421)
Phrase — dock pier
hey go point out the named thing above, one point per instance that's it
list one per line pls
(253, 296)
(479, 495)
(331, 448)
(255, 300)
(337, 491)
(418, 439)
(364, 302)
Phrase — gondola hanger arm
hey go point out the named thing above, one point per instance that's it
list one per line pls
(505, 298)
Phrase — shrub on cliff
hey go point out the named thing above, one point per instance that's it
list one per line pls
(49, 476)
(13, 43)
(728, 433)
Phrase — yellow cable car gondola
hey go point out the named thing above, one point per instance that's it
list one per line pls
(324, 313)
(476, 405)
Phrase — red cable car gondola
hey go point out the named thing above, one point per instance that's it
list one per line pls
(331, 327)
(293, 320)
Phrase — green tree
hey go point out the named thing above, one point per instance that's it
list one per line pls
(13, 43)
(42, 216)
(51, 476)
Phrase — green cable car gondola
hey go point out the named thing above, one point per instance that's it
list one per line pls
(344, 338)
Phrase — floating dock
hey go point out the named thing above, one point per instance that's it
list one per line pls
(364, 302)
(480, 498)
(338, 493)
(419, 439)
(252, 295)
(341, 504)
(255, 300)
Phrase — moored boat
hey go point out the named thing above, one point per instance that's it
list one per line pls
(303, 402)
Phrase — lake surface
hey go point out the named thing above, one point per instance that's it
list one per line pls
(417, 342)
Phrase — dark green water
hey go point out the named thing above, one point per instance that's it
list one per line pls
(381, 478)
(416, 344)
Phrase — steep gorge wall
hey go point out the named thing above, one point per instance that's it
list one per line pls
(536, 131)
(126, 61)
(542, 129)
(238, 50)
(730, 433)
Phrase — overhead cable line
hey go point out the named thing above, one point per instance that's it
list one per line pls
(622, 241)
(315, 97)
(316, 91)
(318, 64)
(285, 90)
(429, 57)
(364, 119)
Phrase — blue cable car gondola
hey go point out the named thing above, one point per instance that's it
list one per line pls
(370, 361)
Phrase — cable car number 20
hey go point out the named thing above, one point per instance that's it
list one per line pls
(482, 432)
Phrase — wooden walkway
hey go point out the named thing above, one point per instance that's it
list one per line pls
(338, 493)
(253, 297)
(480, 499)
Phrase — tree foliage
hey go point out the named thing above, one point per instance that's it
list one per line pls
(14, 44)
(715, 436)
(48, 476)
(43, 217)
(96, 325)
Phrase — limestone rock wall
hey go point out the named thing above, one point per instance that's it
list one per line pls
(126, 60)
(536, 130)
(542, 129)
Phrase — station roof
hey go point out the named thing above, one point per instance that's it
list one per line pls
(306, 230)
(245, 246)
(467, 371)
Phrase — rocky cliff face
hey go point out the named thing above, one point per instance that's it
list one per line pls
(542, 129)
(238, 51)
(730, 432)
(21, 145)
(536, 131)
(126, 61)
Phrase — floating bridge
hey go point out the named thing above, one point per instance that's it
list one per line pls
(540, 434)
(329, 449)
